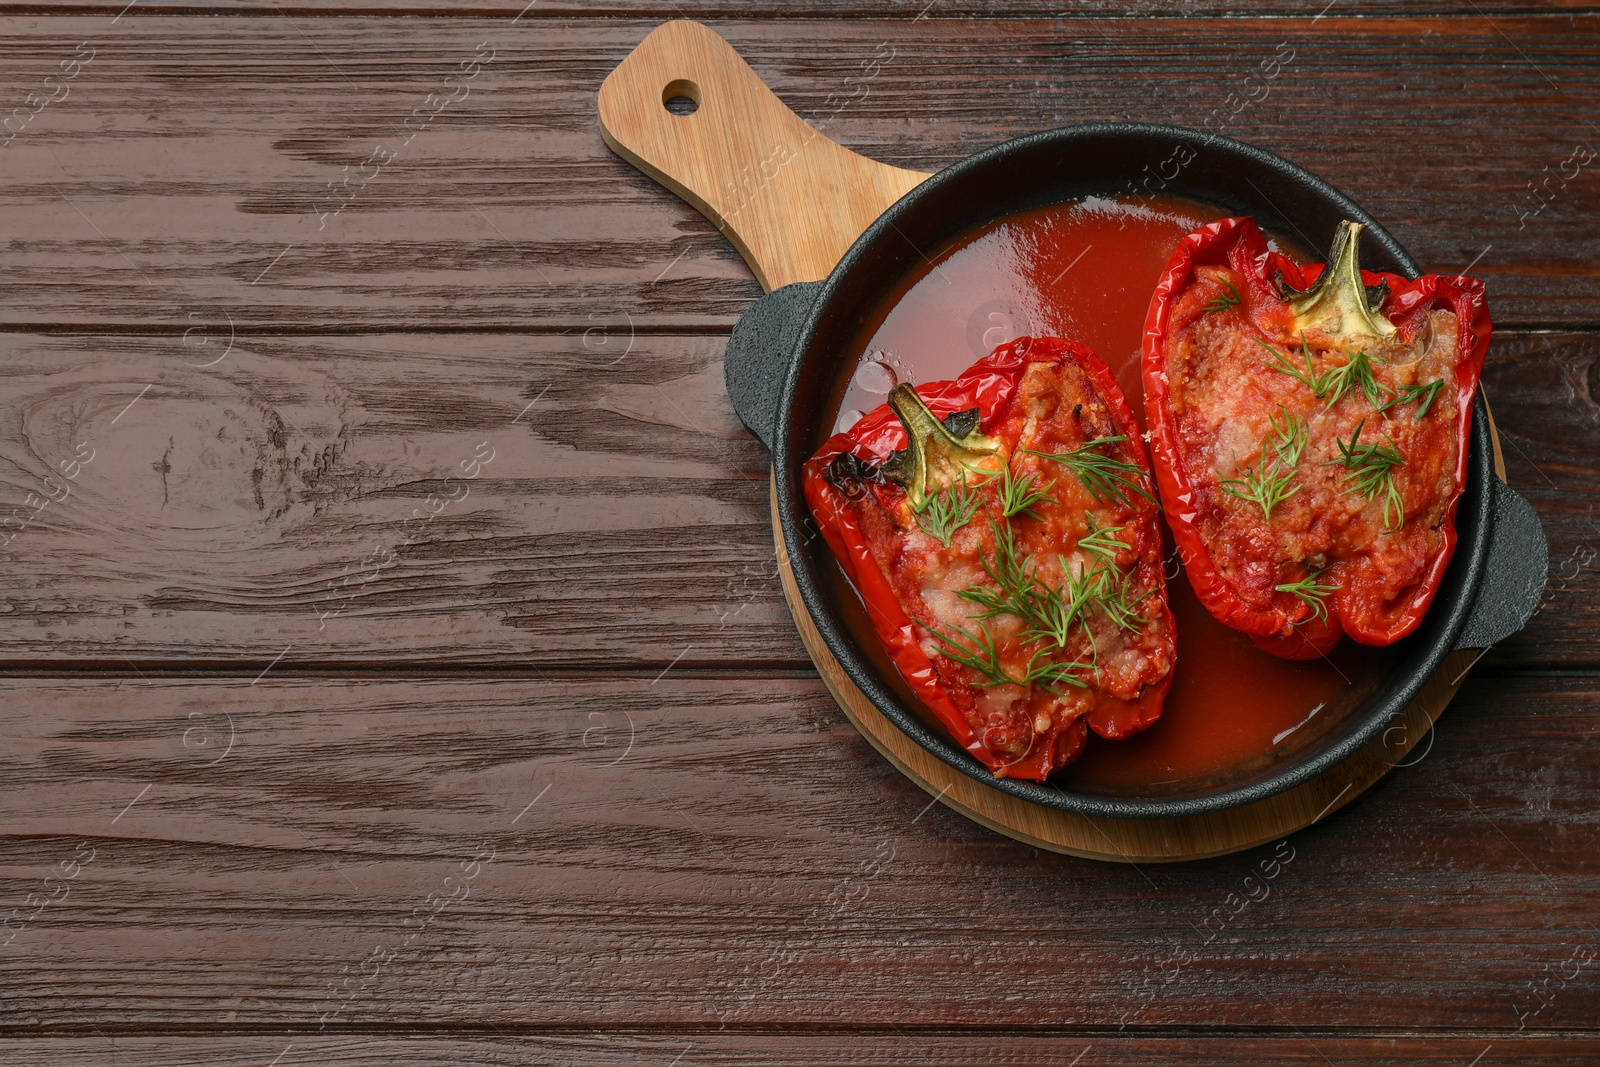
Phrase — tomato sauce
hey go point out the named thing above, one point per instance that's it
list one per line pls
(1085, 271)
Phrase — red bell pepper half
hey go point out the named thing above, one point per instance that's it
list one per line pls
(1001, 531)
(1310, 432)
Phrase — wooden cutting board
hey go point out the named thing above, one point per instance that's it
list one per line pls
(687, 110)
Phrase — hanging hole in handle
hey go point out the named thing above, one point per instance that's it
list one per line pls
(681, 97)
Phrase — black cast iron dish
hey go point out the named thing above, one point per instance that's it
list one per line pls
(792, 346)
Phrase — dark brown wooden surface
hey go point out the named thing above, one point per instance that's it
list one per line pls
(909, 10)
(281, 715)
(714, 849)
(191, 153)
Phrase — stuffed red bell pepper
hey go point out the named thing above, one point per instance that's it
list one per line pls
(1310, 432)
(1001, 530)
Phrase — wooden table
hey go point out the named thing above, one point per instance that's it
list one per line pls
(397, 671)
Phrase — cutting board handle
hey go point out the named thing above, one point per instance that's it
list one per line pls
(791, 200)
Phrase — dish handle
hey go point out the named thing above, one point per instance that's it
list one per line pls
(686, 109)
(759, 353)
(1514, 574)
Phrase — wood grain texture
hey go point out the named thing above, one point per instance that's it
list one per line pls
(196, 164)
(914, 10)
(281, 498)
(698, 1047)
(715, 866)
(791, 200)
(724, 850)
(1545, 389)
(269, 500)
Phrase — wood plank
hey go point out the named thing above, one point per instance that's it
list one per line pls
(903, 1045)
(195, 164)
(1545, 393)
(706, 851)
(270, 501)
(702, 9)
(280, 499)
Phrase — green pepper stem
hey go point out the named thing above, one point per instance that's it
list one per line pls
(1339, 303)
(934, 458)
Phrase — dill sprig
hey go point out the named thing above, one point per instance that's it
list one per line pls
(1224, 301)
(1266, 483)
(1056, 614)
(984, 474)
(1370, 471)
(1116, 601)
(1407, 393)
(1051, 621)
(1288, 439)
(1050, 613)
(982, 658)
(1019, 495)
(1017, 588)
(947, 511)
(1314, 594)
(1099, 540)
(1104, 477)
(1357, 372)
(1049, 675)
(1104, 588)
(1319, 384)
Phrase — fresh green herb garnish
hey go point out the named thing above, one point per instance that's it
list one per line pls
(1266, 484)
(946, 511)
(1115, 598)
(1017, 589)
(1230, 299)
(982, 657)
(1314, 594)
(984, 475)
(1104, 587)
(1019, 495)
(1407, 393)
(1104, 477)
(1288, 439)
(1099, 540)
(1057, 612)
(1319, 384)
(1049, 613)
(1371, 471)
(1357, 372)
(1049, 675)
